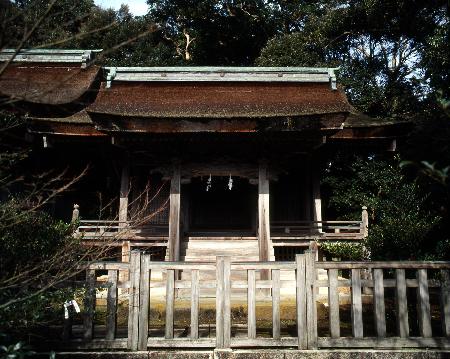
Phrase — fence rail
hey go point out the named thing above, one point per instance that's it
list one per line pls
(270, 279)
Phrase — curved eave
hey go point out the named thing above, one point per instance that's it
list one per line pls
(47, 127)
(327, 123)
(372, 131)
(48, 84)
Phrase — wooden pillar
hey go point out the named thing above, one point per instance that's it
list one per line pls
(316, 198)
(123, 209)
(174, 215)
(263, 213)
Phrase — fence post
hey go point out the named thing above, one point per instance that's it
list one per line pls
(89, 305)
(223, 305)
(144, 301)
(301, 302)
(133, 298)
(311, 310)
(445, 302)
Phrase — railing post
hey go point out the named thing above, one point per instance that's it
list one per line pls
(133, 298)
(364, 222)
(223, 308)
(75, 215)
(311, 310)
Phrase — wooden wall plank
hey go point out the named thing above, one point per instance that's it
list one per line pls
(423, 304)
(111, 305)
(333, 303)
(401, 304)
(251, 304)
(276, 325)
(194, 303)
(356, 307)
(378, 301)
(170, 302)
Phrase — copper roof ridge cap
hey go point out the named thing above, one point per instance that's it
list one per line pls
(82, 56)
(226, 69)
(221, 74)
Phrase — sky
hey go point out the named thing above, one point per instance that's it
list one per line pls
(137, 7)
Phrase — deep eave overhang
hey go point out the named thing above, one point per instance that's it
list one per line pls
(99, 102)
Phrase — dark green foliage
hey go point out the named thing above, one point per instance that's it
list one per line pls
(26, 238)
(220, 32)
(30, 248)
(382, 57)
(401, 222)
(344, 250)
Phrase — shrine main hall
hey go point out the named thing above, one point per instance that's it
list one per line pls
(189, 162)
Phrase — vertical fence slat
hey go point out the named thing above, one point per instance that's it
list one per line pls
(144, 300)
(89, 305)
(401, 303)
(67, 327)
(378, 301)
(333, 303)
(170, 301)
(301, 301)
(356, 313)
(133, 294)
(251, 304)
(227, 303)
(219, 301)
(445, 302)
(111, 305)
(276, 304)
(423, 304)
(311, 309)
(194, 303)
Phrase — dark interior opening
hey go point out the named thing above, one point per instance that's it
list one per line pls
(220, 209)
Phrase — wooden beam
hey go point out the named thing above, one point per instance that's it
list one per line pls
(263, 213)
(174, 215)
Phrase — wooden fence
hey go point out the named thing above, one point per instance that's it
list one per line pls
(394, 276)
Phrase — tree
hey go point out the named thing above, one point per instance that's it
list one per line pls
(402, 225)
(382, 56)
(206, 32)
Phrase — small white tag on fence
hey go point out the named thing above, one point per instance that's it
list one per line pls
(67, 305)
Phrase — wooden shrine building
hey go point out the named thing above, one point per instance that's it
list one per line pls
(189, 162)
